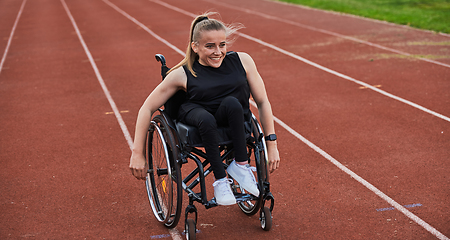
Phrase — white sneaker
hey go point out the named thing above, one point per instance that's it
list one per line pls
(244, 176)
(223, 193)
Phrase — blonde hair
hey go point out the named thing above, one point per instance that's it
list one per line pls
(200, 24)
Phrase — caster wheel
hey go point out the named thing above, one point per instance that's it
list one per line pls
(190, 229)
(266, 219)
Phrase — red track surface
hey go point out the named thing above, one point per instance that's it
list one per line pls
(65, 159)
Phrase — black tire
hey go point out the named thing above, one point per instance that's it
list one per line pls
(190, 229)
(266, 219)
(163, 181)
(258, 160)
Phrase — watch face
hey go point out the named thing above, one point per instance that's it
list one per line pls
(271, 137)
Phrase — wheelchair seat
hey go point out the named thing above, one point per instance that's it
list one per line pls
(190, 136)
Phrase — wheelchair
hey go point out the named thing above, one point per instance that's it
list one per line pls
(171, 144)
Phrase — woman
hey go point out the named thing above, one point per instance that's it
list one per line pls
(218, 86)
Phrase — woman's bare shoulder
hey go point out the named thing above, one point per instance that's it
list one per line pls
(244, 56)
(177, 77)
(247, 61)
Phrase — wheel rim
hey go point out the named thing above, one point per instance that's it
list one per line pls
(164, 176)
(159, 177)
(266, 219)
(263, 220)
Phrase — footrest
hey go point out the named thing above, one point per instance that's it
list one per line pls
(241, 197)
(211, 203)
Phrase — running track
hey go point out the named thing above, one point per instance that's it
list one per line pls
(362, 112)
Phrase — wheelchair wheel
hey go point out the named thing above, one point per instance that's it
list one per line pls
(163, 179)
(266, 218)
(258, 160)
(190, 229)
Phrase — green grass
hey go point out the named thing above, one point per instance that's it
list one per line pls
(424, 14)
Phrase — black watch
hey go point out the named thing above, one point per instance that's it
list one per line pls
(271, 137)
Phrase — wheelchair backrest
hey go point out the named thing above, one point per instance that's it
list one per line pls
(173, 104)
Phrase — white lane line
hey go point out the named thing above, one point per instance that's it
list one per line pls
(326, 32)
(11, 35)
(122, 124)
(399, 207)
(318, 66)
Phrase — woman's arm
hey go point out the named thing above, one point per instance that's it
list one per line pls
(259, 94)
(173, 82)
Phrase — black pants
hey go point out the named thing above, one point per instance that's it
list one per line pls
(229, 114)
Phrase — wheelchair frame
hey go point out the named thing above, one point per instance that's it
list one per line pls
(166, 153)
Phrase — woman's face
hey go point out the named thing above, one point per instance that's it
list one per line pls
(211, 48)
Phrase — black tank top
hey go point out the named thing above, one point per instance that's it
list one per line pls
(212, 85)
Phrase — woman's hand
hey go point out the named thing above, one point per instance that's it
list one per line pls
(273, 155)
(138, 166)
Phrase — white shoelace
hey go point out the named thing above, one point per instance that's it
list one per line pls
(225, 181)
